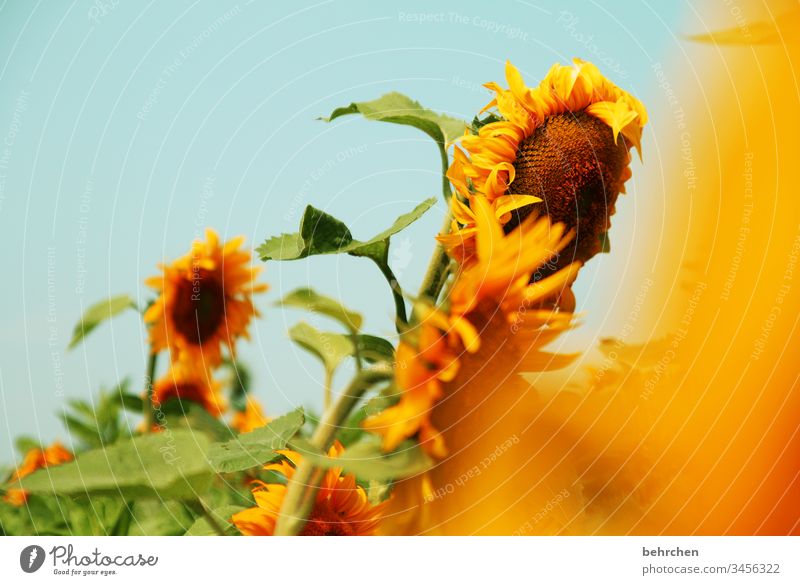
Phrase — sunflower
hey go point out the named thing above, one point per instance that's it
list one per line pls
(205, 301)
(189, 381)
(35, 459)
(493, 287)
(252, 417)
(567, 141)
(341, 507)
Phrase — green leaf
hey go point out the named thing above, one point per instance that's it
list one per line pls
(83, 431)
(25, 444)
(202, 527)
(375, 349)
(478, 123)
(159, 518)
(191, 415)
(131, 402)
(256, 447)
(397, 108)
(321, 233)
(241, 380)
(331, 348)
(98, 313)
(352, 431)
(170, 464)
(122, 526)
(367, 462)
(305, 298)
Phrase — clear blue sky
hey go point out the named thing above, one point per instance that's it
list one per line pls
(126, 125)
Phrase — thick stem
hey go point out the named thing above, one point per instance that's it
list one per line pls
(326, 398)
(436, 274)
(148, 381)
(302, 488)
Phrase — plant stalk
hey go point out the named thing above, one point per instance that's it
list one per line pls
(436, 274)
(302, 488)
(149, 382)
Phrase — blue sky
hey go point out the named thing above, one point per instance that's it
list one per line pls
(128, 126)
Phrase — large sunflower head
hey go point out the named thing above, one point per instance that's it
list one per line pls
(494, 289)
(189, 381)
(341, 507)
(566, 142)
(205, 300)
(34, 460)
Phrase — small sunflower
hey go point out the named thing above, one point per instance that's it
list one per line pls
(560, 142)
(494, 286)
(205, 301)
(34, 460)
(189, 381)
(251, 418)
(341, 507)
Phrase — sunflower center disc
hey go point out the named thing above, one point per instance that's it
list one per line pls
(326, 522)
(572, 163)
(199, 307)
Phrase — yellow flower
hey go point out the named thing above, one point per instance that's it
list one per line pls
(205, 301)
(341, 507)
(495, 286)
(190, 381)
(35, 459)
(252, 417)
(559, 141)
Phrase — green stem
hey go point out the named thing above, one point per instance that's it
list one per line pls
(302, 488)
(436, 274)
(148, 404)
(446, 192)
(397, 293)
(328, 383)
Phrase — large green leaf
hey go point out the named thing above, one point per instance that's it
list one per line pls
(310, 300)
(166, 465)
(397, 108)
(256, 447)
(367, 462)
(321, 233)
(331, 348)
(98, 313)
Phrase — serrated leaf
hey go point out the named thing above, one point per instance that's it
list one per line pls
(310, 300)
(321, 233)
(166, 465)
(367, 462)
(396, 108)
(202, 527)
(256, 447)
(331, 348)
(191, 415)
(98, 313)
